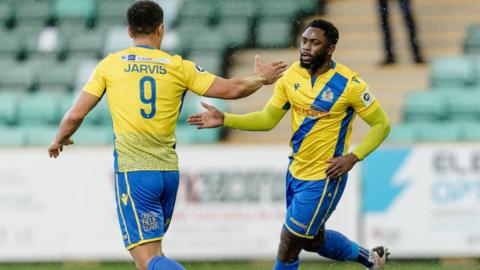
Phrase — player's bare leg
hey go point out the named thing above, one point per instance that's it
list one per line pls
(288, 250)
(144, 253)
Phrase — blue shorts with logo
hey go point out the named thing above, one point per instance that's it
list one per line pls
(145, 202)
(310, 203)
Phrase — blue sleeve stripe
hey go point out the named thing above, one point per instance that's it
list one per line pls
(343, 133)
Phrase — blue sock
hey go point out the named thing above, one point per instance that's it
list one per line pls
(285, 266)
(163, 263)
(338, 247)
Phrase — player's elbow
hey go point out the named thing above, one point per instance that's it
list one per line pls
(386, 127)
(75, 117)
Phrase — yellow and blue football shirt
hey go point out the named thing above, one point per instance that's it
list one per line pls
(323, 109)
(145, 88)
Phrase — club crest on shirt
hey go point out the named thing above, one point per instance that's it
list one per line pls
(327, 95)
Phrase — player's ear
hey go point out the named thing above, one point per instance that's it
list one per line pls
(160, 30)
(130, 32)
(331, 49)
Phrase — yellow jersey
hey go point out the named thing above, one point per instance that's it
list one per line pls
(145, 88)
(323, 109)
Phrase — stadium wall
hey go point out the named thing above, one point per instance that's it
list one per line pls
(422, 201)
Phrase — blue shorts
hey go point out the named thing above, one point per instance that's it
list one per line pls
(310, 203)
(145, 202)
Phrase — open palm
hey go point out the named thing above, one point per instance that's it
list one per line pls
(208, 119)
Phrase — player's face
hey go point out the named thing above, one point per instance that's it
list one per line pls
(315, 49)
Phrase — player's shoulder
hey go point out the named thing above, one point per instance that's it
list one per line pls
(353, 78)
(294, 70)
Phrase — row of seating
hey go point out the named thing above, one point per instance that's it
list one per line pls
(412, 132)
(471, 44)
(456, 71)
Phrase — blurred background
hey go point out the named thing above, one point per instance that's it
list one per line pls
(419, 193)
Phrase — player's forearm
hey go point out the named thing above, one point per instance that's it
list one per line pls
(263, 120)
(380, 127)
(70, 123)
(244, 87)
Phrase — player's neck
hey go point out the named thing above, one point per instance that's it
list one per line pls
(144, 41)
(322, 69)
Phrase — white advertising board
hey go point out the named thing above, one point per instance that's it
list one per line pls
(424, 201)
(230, 204)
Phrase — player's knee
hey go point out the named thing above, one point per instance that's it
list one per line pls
(316, 243)
(289, 247)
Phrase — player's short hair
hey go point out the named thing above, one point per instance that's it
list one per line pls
(331, 32)
(144, 17)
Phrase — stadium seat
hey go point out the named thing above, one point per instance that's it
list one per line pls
(403, 133)
(439, 132)
(238, 32)
(10, 44)
(463, 105)
(88, 44)
(285, 10)
(112, 12)
(236, 9)
(84, 71)
(11, 136)
(37, 135)
(17, 77)
(194, 11)
(38, 108)
(116, 39)
(472, 39)
(82, 12)
(55, 74)
(212, 39)
(471, 131)
(8, 107)
(100, 115)
(274, 34)
(424, 106)
(452, 71)
(187, 134)
(88, 135)
(211, 61)
(32, 12)
(5, 13)
(170, 11)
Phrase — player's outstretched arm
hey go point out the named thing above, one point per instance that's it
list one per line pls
(263, 120)
(379, 129)
(236, 88)
(71, 121)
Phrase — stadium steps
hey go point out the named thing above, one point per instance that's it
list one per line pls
(361, 48)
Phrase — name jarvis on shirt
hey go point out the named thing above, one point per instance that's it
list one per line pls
(144, 68)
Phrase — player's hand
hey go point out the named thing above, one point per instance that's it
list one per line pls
(341, 165)
(209, 119)
(271, 72)
(57, 147)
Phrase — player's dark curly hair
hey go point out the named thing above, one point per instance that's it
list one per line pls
(331, 32)
(144, 17)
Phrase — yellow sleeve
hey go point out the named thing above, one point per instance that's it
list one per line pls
(96, 84)
(264, 120)
(279, 98)
(196, 78)
(379, 129)
(360, 97)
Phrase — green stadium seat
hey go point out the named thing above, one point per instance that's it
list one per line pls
(18, 77)
(424, 106)
(285, 10)
(86, 45)
(88, 135)
(39, 135)
(11, 136)
(116, 39)
(211, 61)
(100, 115)
(55, 74)
(212, 39)
(33, 12)
(452, 71)
(84, 71)
(194, 11)
(238, 32)
(472, 39)
(308, 6)
(112, 12)
(38, 108)
(75, 11)
(403, 133)
(471, 131)
(236, 9)
(5, 13)
(439, 131)
(274, 34)
(10, 44)
(184, 134)
(187, 134)
(463, 105)
(8, 107)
